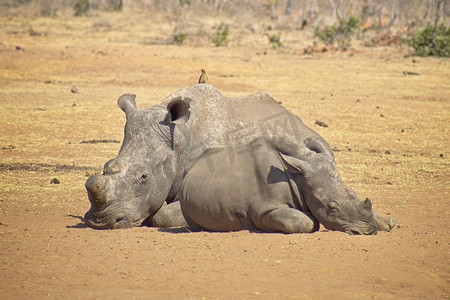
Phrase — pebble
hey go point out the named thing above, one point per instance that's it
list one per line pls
(55, 181)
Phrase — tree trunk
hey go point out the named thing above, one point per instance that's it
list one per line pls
(436, 20)
(335, 7)
(288, 9)
(394, 8)
(312, 11)
(427, 9)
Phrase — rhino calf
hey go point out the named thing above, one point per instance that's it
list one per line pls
(257, 186)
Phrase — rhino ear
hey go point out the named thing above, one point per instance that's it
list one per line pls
(178, 110)
(317, 145)
(295, 165)
(127, 103)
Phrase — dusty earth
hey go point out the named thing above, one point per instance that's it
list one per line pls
(390, 133)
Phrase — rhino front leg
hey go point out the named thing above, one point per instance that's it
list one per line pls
(288, 220)
(385, 223)
(169, 215)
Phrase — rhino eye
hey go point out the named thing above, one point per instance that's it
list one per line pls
(142, 179)
(333, 208)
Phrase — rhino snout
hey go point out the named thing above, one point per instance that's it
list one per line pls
(96, 187)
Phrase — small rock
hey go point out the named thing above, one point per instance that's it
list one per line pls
(387, 152)
(403, 130)
(441, 155)
(382, 116)
(320, 123)
(20, 48)
(389, 183)
(10, 147)
(357, 100)
(74, 89)
(55, 181)
(34, 33)
(410, 73)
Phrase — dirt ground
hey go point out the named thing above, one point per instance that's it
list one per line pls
(390, 133)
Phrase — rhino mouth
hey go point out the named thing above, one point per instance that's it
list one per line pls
(359, 230)
(94, 220)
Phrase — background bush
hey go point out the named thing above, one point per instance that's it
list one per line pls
(431, 41)
(220, 37)
(340, 32)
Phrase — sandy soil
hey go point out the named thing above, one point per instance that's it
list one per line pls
(390, 132)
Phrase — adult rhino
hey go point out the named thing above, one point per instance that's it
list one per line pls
(262, 185)
(142, 183)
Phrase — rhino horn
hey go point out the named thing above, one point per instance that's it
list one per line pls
(95, 186)
(112, 166)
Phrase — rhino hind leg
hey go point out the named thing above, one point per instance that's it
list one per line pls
(385, 223)
(289, 220)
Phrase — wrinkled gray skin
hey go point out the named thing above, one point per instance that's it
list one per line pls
(261, 186)
(141, 185)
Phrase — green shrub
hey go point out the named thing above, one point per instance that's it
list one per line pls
(423, 44)
(340, 32)
(81, 7)
(220, 37)
(275, 40)
(179, 38)
(326, 35)
(349, 26)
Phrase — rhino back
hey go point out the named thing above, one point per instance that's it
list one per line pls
(220, 121)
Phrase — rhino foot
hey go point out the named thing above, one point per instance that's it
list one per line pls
(168, 216)
(288, 220)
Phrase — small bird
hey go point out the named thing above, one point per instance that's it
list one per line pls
(204, 77)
